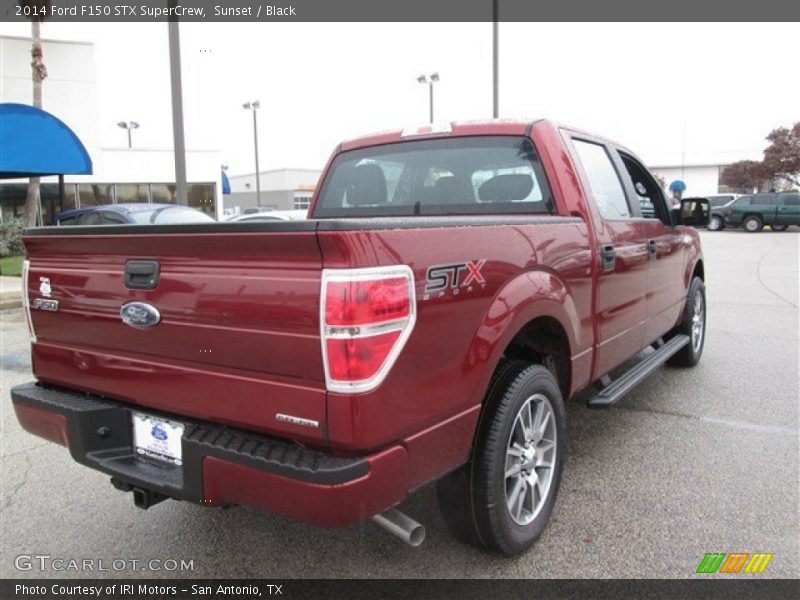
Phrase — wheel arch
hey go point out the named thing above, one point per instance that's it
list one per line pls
(531, 317)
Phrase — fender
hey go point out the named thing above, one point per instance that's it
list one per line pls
(691, 242)
(535, 293)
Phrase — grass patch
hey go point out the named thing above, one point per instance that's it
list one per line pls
(11, 266)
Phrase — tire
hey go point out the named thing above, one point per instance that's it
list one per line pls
(716, 223)
(475, 499)
(752, 224)
(779, 227)
(690, 354)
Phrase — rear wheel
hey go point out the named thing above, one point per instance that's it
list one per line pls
(502, 499)
(715, 224)
(752, 224)
(779, 227)
(692, 324)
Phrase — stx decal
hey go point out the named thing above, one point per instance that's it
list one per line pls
(716, 562)
(443, 278)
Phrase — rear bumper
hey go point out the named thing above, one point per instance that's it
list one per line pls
(221, 465)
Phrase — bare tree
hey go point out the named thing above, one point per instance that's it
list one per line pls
(38, 9)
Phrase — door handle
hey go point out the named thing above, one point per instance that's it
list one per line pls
(652, 248)
(608, 257)
(142, 274)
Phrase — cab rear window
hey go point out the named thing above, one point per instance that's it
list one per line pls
(452, 176)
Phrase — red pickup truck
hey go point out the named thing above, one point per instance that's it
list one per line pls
(452, 287)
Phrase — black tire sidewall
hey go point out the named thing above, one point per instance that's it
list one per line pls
(496, 527)
(757, 220)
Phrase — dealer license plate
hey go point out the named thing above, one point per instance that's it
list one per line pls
(157, 438)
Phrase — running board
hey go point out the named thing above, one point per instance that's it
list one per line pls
(614, 391)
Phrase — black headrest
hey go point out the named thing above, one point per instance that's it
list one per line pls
(368, 186)
(453, 190)
(506, 188)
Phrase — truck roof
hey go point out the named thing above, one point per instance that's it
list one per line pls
(463, 128)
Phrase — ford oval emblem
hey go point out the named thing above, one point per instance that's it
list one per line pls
(139, 315)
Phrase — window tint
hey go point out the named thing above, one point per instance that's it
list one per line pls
(454, 176)
(743, 201)
(607, 190)
(791, 200)
(764, 200)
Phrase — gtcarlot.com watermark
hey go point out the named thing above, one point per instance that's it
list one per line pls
(46, 562)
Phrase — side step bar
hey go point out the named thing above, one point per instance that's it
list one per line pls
(613, 393)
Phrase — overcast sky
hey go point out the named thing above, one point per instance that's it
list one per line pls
(724, 85)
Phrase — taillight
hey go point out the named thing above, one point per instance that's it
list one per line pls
(26, 304)
(366, 316)
(730, 212)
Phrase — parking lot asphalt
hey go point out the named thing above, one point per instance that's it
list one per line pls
(692, 461)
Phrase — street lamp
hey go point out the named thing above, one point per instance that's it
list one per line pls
(254, 106)
(430, 80)
(129, 125)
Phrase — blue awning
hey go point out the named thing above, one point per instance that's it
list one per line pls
(34, 142)
(226, 185)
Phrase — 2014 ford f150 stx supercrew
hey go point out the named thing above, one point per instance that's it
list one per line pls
(451, 288)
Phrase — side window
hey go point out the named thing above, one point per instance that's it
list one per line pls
(743, 201)
(650, 195)
(607, 190)
(791, 200)
(111, 218)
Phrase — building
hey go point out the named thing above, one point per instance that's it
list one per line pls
(700, 179)
(281, 189)
(120, 174)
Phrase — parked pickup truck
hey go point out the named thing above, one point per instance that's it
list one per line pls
(778, 210)
(452, 287)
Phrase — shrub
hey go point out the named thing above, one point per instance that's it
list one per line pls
(11, 238)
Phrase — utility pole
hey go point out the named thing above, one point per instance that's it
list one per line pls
(177, 111)
(254, 106)
(495, 59)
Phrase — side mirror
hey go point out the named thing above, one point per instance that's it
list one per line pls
(694, 212)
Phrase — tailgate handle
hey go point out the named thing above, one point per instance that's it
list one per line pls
(142, 274)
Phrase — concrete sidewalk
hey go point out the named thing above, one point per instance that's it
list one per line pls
(10, 292)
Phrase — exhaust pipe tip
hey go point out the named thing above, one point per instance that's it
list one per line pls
(402, 526)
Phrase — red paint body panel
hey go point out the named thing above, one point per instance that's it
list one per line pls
(239, 337)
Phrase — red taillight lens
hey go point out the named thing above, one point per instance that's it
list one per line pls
(730, 212)
(360, 302)
(367, 316)
(359, 358)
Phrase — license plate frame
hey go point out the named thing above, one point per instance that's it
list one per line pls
(157, 438)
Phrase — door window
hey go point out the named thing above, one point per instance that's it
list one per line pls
(606, 187)
(649, 193)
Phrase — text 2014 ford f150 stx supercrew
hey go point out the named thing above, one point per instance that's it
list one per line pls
(451, 288)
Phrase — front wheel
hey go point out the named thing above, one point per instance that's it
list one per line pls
(692, 324)
(715, 224)
(502, 499)
(779, 227)
(753, 224)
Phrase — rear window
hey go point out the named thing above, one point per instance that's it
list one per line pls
(170, 216)
(453, 176)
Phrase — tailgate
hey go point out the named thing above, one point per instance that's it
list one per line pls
(238, 336)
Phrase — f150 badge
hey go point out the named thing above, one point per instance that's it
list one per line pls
(139, 315)
(441, 279)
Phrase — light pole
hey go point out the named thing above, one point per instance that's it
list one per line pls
(254, 106)
(129, 125)
(495, 59)
(430, 80)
